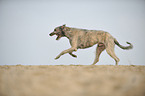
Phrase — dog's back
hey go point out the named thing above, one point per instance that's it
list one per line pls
(87, 38)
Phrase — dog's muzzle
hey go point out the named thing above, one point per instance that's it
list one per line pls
(51, 34)
(54, 33)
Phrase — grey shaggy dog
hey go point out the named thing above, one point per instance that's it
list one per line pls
(83, 38)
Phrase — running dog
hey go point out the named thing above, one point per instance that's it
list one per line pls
(83, 38)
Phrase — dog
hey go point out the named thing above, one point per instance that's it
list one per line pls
(83, 38)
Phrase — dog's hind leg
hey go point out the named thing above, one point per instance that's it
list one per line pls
(110, 51)
(99, 49)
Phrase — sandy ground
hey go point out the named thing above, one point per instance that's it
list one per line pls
(43, 80)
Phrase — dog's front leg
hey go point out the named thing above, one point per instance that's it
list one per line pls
(70, 50)
(73, 55)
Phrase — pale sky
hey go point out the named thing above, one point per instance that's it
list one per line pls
(25, 25)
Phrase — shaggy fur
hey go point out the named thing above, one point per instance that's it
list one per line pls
(83, 38)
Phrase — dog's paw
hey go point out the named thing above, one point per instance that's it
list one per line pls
(57, 57)
(93, 64)
(75, 56)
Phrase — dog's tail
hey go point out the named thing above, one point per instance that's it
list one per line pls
(123, 47)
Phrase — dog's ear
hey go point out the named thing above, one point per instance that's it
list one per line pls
(63, 26)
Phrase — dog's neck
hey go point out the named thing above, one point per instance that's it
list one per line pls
(67, 32)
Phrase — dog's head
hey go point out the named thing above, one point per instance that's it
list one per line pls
(59, 31)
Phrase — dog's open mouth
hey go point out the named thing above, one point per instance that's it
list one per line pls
(58, 35)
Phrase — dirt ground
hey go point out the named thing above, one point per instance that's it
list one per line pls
(72, 80)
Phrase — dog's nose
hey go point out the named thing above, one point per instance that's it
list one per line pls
(51, 34)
